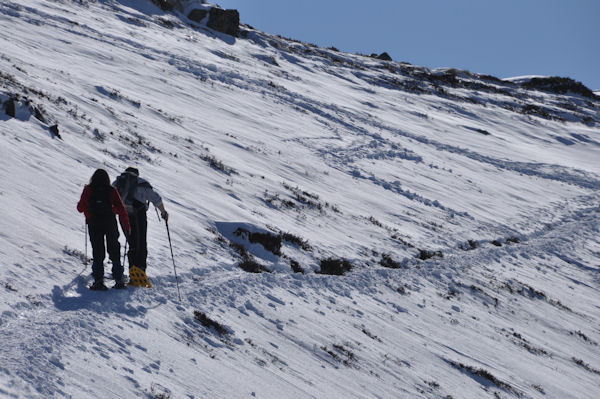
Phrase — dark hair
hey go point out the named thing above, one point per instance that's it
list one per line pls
(133, 170)
(100, 179)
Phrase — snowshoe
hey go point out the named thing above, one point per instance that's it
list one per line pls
(98, 286)
(138, 277)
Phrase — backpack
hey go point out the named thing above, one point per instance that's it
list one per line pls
(126, 184)
(100, 205)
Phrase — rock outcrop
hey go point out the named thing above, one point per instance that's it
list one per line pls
(165, 5)
(197, 14)
(224, 21)
(10, 108)
(383, 56)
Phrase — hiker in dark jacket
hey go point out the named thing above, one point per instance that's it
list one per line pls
(137, 194)
(100, 202)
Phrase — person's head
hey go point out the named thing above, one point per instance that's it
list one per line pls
(100, 179)
(133, 171)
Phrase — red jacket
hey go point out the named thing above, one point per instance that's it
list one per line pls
(118, 208)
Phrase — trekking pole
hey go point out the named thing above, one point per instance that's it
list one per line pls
(86, 240)
(124, 253)
(173, 257)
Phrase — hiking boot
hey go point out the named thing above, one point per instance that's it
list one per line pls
(98, 286)
(120, 285)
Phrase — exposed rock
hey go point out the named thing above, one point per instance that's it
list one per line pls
(10, 108)
(38, 113)
(197, 15)
(224, 21)
(558, 85)
(384, 56)
(165, 5)
(54, 130)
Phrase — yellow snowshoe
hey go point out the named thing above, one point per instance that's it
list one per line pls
(138, 278)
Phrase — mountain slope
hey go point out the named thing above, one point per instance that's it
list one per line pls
(376, 162)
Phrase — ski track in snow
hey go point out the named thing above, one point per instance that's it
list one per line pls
(353, 157)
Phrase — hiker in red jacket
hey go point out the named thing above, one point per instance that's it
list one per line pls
(100, 202)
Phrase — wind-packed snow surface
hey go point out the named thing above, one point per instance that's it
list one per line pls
(467, 208)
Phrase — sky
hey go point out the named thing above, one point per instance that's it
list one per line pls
(502, 38)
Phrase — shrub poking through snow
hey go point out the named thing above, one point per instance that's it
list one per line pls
(515, 286)
(287, 237)
(159, 392)
(486, 375)
(296, 266)
(340, 354)
(335, 267)
(584, 337)
(425, 254)
(76, 254)
(532, 109)
(371, 335)
(387, 261)
(397, 237)
(273, 242)
(469, 245)
(270, 242)
(293, 239)
(586, 366)
(304, 197)
(218, 165)
(518, 339)
(10, 287)
(209, 323)
(248, 263)
(252, 266)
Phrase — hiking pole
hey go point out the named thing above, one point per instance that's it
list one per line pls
(124, 253)
(173, 257)
(86, 236)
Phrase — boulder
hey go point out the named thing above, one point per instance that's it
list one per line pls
(384, 56)
(197, 15)
(54, 130)
(38, 113)
(10, 108)
(224, 21)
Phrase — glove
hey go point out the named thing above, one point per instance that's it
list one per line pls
(165, 215)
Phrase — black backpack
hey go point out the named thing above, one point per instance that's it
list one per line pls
(100, 205)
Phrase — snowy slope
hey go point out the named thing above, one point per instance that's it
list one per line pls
(375, 162)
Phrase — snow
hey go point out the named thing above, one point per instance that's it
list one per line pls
(187, 6)
(352, 157)
(524, 78)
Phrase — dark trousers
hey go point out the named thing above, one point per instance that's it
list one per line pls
(99, 228)
(138, 246)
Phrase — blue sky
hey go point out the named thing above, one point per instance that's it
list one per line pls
(501, 38)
